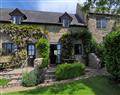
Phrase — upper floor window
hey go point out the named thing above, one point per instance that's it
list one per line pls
(78, 49)
(17, 16)
(16, 19)
(66, 23)
(101, 23)
(65, 19)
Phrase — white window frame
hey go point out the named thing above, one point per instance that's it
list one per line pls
(103, 23)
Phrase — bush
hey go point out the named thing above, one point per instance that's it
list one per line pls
(112, 53)
(67, 71)
(29, 79)
(34, 77)
(43, 48)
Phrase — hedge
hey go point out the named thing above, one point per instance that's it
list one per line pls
(67, 71)
(44, 49)
(112, 53)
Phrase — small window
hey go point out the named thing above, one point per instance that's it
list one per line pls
(77, 49)
(101, 23)
(66, 23)
(16, 19)
(31, 49)
(8, 48)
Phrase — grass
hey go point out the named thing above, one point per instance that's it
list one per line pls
(3, 82)
(92, 86)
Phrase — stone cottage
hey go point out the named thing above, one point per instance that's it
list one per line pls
(57, 24)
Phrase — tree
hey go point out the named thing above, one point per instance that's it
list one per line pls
(110, 6)
(112, 53)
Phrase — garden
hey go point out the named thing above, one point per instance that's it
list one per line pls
(99, 85)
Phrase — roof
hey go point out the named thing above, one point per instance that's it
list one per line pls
(39, 17)
(67, 16)
(17, 12)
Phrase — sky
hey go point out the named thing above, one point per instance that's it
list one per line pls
(42, 5)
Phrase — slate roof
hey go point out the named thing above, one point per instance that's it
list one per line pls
(39, 17)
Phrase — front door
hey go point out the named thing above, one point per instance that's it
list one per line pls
(31, 51)
(53, 56)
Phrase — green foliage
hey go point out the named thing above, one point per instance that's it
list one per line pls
(29, 79)
(75, 35)
(34, 77)
(3, 82)
(67, 71)
(39, 72)
(20, 34)
(112, 53)
(102, 6)
(44, 49)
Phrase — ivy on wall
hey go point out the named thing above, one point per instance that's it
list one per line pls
(20, 34)
(77, 34)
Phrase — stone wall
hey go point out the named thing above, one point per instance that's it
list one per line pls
(94, 61)
(4, 38)
(98, 34)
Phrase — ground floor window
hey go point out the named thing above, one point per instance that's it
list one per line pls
(77, 49)
(8, 48)
(31, 49)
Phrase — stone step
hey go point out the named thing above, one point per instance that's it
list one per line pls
(49, 77)
(49, 80)
(12, 77)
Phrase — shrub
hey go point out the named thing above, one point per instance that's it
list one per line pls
(43, 48)
(29, 79)
(34, 77)
(112, 53)
(39, 72)
(67, 71)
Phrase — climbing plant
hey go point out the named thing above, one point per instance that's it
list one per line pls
(21, 35)
(77, 34)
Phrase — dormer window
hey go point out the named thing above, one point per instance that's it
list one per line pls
(65, 19)
(16, 20)
(17, 16)
(66, 23)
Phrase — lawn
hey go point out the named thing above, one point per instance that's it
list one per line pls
(3, 82)
(92, 86)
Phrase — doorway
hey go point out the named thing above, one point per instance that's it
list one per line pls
(53, 55)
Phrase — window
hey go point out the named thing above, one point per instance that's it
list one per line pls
(77, 49)
(8, 48)
(66, 23)
(31, 49)
(101, 23)
(16, 19)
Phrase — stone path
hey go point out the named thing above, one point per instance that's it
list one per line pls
(88, 73)
(14, 76)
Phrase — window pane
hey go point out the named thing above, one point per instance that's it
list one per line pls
(8, 48)
(66, 23)
(101, 23)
